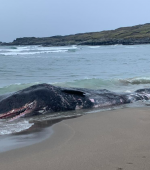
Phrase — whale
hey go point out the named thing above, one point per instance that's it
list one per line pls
(46, 98)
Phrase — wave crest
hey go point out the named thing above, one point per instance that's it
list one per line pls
(138, 80)
(31, 50)
(92, 83)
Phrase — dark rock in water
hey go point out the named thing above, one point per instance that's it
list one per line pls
(139, 34)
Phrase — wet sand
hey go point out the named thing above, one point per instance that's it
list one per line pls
(110, 140)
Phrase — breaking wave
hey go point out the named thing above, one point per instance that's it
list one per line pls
(31, 50)
(117, 84)
(138, 80)
(14, 127)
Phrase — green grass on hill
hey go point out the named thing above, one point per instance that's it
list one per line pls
(126, 35)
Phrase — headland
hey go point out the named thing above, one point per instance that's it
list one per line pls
(139, 34)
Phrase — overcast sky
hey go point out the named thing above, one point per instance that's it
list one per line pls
(44, 18)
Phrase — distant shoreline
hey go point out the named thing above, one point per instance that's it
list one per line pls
(139, 34)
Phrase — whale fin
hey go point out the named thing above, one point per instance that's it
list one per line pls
(77, 92)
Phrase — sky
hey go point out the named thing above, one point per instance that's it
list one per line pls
(45, 18)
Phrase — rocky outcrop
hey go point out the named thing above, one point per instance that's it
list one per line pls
(139, 34)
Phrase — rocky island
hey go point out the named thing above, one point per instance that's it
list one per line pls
(139, 34)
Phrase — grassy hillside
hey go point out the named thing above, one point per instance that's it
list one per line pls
(139, 34)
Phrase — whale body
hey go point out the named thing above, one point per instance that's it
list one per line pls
(46, 98)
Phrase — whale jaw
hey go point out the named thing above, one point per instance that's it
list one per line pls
(20, 112)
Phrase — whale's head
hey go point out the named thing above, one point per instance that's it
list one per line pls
(37, 99)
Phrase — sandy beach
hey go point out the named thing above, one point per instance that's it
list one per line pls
(110, 140)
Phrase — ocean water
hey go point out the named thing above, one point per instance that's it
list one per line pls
(117, 68)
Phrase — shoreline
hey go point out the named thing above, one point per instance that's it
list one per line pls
(37, 133)
(116, 139)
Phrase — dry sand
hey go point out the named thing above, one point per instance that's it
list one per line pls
(110, 140)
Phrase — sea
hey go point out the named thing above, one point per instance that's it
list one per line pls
(118, 68)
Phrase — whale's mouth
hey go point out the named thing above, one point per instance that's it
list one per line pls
(19, 112)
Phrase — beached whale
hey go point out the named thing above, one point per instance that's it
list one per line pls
(46, 98)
